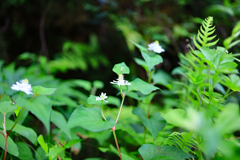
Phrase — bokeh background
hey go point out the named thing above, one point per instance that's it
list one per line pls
(83, 39)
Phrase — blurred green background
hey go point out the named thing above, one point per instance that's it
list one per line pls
(82, 38)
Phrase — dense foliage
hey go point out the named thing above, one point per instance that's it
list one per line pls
(96, 91)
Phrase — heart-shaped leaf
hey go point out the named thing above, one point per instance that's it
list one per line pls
(154, 124)
(90, 119)
(151, 60)
(121, 68)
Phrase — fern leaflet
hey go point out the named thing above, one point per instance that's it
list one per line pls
(203, 36)
(184, 141)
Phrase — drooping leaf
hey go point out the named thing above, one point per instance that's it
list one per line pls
(11, 146)
(24, 151)
(154, 152)
(58, 119)
(152, 60)
(6, 107)
(40, 106)
(141, 63)
(154, 124)
(121, 68)
(26, 132)
(39, 90)
(141, 86)
(90, 119)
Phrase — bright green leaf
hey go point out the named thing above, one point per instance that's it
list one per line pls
(154, 124)
(42, 143)
(141, 86)
(121, 68)
(90, 119)
(126, 157)
(55, 151)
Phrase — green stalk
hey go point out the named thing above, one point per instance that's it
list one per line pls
(205, 87)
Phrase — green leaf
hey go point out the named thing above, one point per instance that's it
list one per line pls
(28, 133)
(126, 157)
(40, 106)
(6, 107)
(72, 142)
(98, 84)
(55, 151)
(152, 60)
(154, 124)
(212, 55)
(39, 90)
(141, 63)
(90, 119)
(11, 146)
(229, 119)
(92, 100)
(24, 151)
(40, 154)
(58, 119)
(141, 86)
(162, 78)
(117, 68)
(154, 152)
(140, 47)
(42, 143)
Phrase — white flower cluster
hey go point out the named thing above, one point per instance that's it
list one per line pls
(155, 47)
(120, 81)
(22, 86)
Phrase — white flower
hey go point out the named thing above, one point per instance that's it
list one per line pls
(102, 97)
(120, 81)
(22, 86)
(155, 47)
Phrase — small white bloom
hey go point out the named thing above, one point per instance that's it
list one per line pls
(120, 81)
(102, 97)
(22, 86)
(155, 47)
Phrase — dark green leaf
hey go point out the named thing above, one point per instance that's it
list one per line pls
(154, 124)
(154, 152)
(24, 151)
(11, 146)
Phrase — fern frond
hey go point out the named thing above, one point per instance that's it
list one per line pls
(203, 37)
(184, 141)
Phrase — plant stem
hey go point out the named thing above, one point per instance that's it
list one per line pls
(5, 136)
(123, 97)
(115, 137)
(204, 87)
